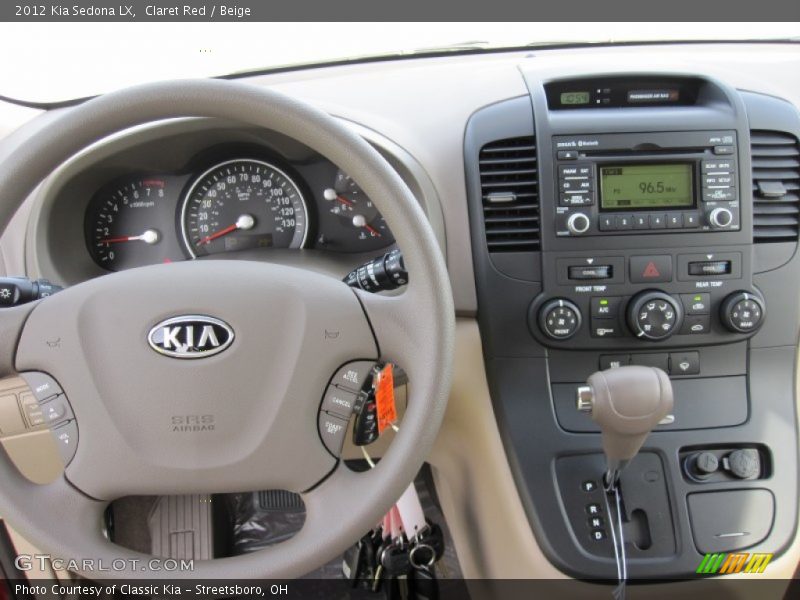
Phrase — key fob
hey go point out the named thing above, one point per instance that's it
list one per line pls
(365, 427)
(395, 561)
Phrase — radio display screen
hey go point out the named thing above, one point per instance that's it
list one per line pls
(646, 186)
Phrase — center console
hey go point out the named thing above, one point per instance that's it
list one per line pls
(653, 220)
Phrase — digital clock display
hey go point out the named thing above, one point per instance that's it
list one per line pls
(573, 98)
(646, 186)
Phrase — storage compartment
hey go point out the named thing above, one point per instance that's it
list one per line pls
(731, 520)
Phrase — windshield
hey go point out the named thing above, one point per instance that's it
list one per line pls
(55, 62)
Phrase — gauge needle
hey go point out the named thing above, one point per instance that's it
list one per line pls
(243, 222)
(330, 194)
(148, 237)
(361, 221)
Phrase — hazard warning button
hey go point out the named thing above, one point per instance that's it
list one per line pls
(650, 269)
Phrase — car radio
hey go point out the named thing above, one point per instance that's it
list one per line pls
(637, 183)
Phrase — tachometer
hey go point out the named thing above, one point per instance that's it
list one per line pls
(123, 224)
(242, 204)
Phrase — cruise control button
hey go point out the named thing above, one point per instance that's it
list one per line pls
(42, 385)
(353, 376)
(332, 430)
(67, 440)
(56, 410)
(31, 409)
(339, 401)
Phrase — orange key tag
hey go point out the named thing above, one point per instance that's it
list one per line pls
(384, 398)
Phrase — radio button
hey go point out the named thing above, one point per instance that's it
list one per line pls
(574, 170)
(641, 222)
(624, 222)
(657, 222)
(711, 180)
(577, 199)
(583, 184)
(607, 223)
(674, 220)
(567, 154)
(719, 194)
(718, 165)
(691, 220)
(721, 150)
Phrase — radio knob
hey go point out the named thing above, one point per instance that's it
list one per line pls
(654, 315)
(560, 319)
(578, 223)
(742, 312)
(719, 218)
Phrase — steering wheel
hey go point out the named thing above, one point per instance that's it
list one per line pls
(264, 390)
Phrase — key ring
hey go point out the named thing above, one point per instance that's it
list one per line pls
(417, 548)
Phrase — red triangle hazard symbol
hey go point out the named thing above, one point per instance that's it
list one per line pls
(651, 270)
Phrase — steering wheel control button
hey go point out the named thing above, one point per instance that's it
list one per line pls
(353, 376)
(34, 415)
(67, 440)
(43, 386)
(560, 319)
(56, 411)
(339, 401)
(654, 315)
(332, 430)
(684, 363)
(650, 269)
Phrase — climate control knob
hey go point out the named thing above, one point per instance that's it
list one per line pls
(654, 315)
(742, 312)
(720, 218)
(560, 319)
(578, 223)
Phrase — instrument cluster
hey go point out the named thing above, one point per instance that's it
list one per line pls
(230, 204)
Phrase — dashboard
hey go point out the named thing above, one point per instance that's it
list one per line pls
(591, 216)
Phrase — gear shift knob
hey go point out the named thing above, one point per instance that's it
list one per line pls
(627, 403)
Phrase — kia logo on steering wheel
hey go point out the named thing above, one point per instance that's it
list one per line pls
(190, 336)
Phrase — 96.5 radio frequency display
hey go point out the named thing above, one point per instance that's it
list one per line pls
(646, 187)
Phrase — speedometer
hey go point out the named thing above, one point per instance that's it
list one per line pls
(243, 204)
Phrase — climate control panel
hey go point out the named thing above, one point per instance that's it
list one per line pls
(633, 298)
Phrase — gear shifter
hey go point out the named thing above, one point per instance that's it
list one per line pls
(627, 403)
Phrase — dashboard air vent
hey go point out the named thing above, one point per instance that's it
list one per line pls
(510, 195)
(776, 186)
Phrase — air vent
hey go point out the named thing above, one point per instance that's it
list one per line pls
(776, 186)
(510, 192)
